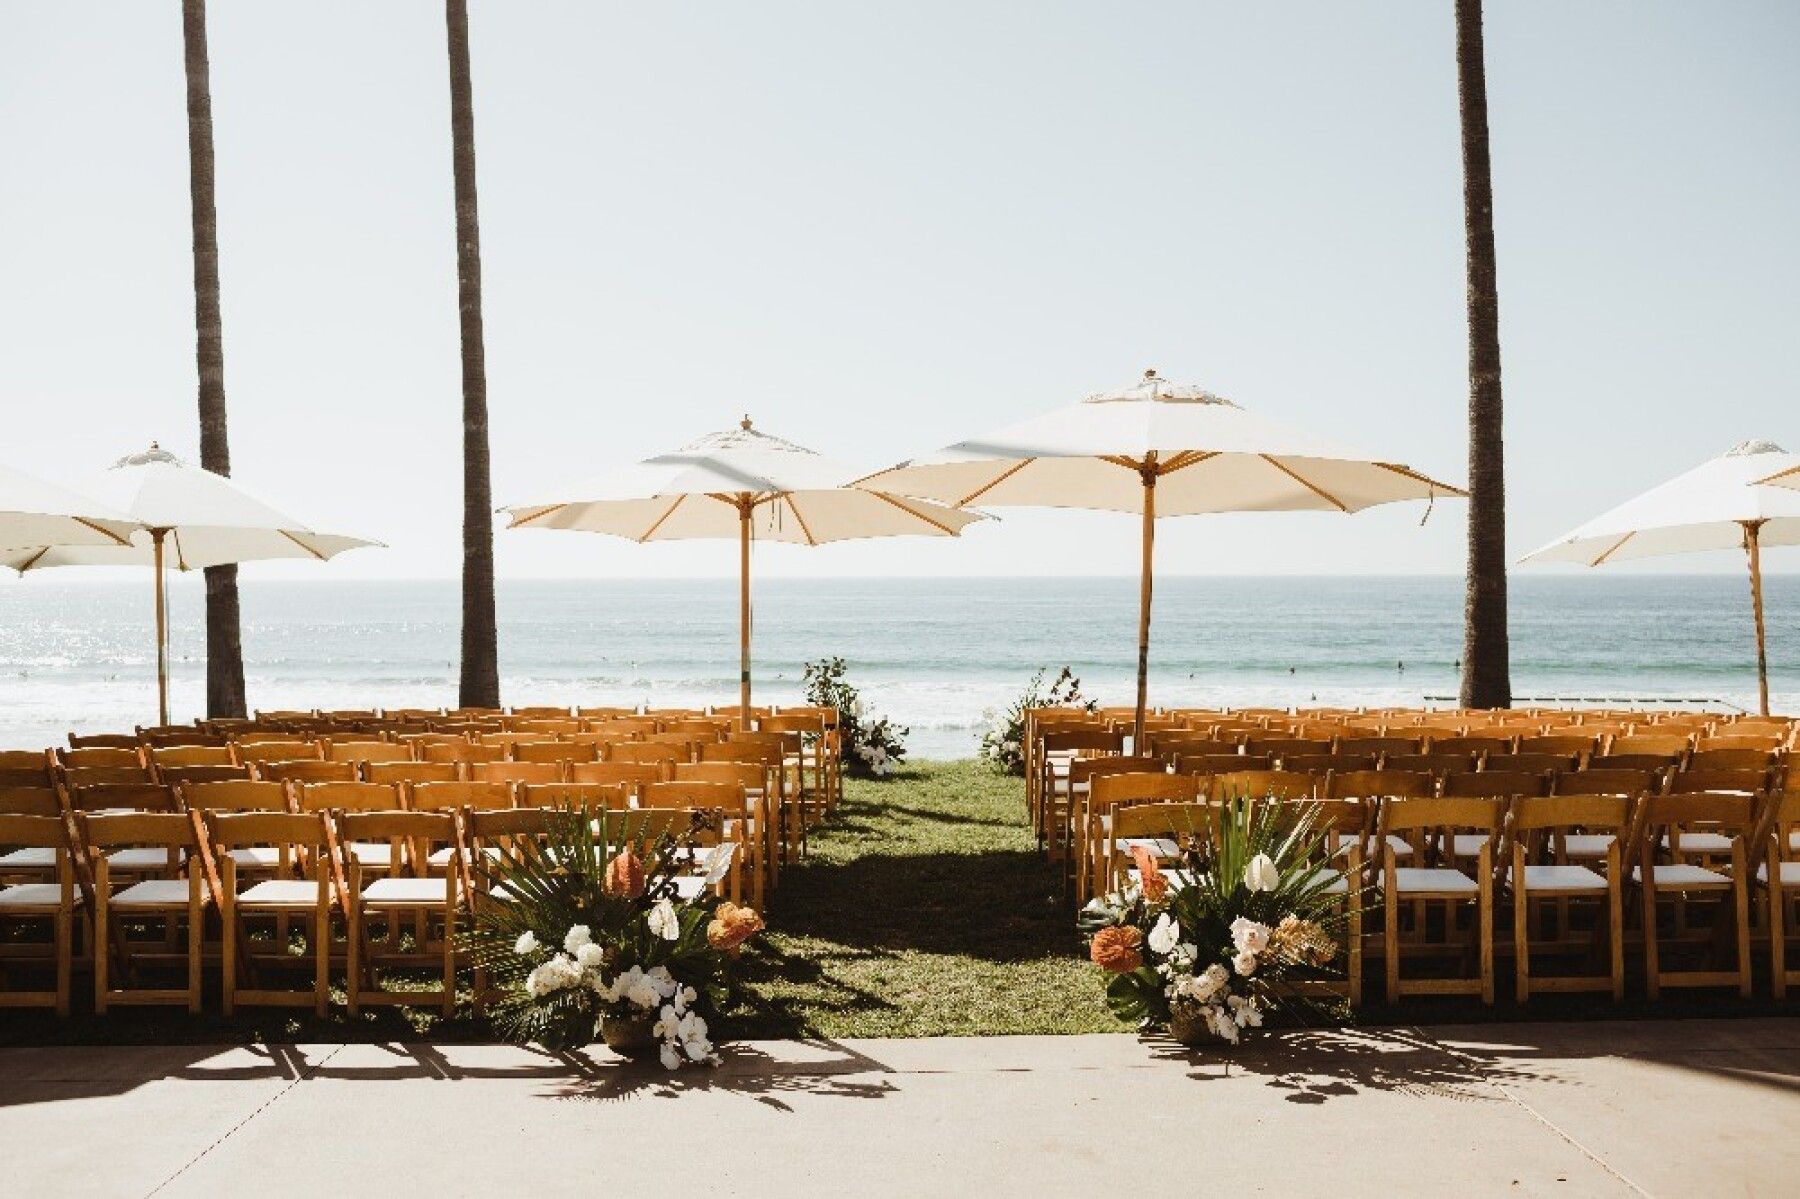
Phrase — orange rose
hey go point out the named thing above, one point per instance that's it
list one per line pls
(731, 926)
(1116, 949)
(624, 875)
(1150, 875)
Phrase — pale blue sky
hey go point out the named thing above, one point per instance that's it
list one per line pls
(883, 228)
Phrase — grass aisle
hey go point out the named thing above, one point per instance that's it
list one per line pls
(922, 909)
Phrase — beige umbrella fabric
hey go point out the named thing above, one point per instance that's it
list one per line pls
(1722, 504)
(1157, 449)
(718, 486)
(201, 518)
(34, 513)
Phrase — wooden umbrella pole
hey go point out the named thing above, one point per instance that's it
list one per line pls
(162, 629)
(1752, 539)
(1144, 576)
(744, 612)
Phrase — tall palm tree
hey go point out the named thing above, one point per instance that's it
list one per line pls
(224, 645)
(480, 685)
(1487, 677)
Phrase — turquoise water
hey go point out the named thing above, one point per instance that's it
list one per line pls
(933, 653)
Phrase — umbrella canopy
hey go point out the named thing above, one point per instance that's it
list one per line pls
(1157, 448)
(200, 518)
(1788, 477)
(36, 513)
(205, 519)
(1719, 505)
(738, 483)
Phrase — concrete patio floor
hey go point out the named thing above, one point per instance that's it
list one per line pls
(1660, 1108)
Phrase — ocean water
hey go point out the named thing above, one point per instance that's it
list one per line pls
(935, 654)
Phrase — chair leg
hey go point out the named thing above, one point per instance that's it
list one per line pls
(1615, 936)
(353, 959)
(1652, 964)
(1740, 893)
(1521, 940)
(1777, 931)
(450, 956)
(102, 948)
(1486, 932)
(64, 933)
(228, 956)
(322, 970)
(1354, 927)
(196, 949)
(1390, 910)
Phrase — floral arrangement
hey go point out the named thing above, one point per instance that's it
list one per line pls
(873, 746)
(1200, 949)
(1003, 743)
(598, 929)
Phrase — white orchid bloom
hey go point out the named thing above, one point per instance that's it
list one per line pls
(718, 862)
(663, 921)
(527, 943)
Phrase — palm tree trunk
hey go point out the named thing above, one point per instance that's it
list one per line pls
(480, 686)
(224, 645)
(1486, 680)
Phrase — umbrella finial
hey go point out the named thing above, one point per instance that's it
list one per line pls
(1150, 372)
(745, 423)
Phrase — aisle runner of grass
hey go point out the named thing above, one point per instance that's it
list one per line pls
(922, 909)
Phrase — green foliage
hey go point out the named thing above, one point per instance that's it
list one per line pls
(873, 746)
(1003, 743)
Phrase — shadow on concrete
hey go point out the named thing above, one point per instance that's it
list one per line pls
(844, 1074)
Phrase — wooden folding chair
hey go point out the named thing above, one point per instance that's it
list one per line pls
(1540, 828)
(1676, 829)
(1260, 785)
(306, 771)
(1437, 821)
(515, 772)
(1342, 826)
(459, 751)
(55, 901)
(410, 772)
(564, 753)
(26, 768)
(295, 837)
(1107, 795)
(758, 818)
(594, 796)
(426, 899)
(1779, 871)
(259, 752)
(1162, 829)
(178, 893)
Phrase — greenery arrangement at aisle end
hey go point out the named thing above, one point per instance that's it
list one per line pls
(873, 746)
(1003, 742)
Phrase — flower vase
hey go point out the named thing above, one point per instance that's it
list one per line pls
(1187, 1026)
(632, 1036)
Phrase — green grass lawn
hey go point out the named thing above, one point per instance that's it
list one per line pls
(923, 909)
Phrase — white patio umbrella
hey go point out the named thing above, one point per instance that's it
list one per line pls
(717, 486)
(202, 518)
(1719, 505)
(1156, 448)
(36, 513)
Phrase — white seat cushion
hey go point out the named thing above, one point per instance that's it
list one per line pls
(1401, 849)
(29, 859)
(1790, 874)
(256, 857)
(34, 895)
(1334, 880)
(1675, 875)
(157, 892)
(1467, 845)
(1410, 880)
(1159, 847)
(433, 891)
(372, 853)
(281, 893)
(1587, 845)
(1702, 843)
(1563, 878)
(140, 859)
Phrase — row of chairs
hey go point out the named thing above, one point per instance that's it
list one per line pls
(320, 859)
(1439, 860)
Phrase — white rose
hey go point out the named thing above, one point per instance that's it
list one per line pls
(577, 937)
(590, 956)
(1244, 963)
(1261, 875)
(1248, 936)
(527, 943)
(1164, 935)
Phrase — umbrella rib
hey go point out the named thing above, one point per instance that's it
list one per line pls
(651, 531)
(520, 522)
(1310, 486)
(795, 509)
(100, 528)
(309, 549)
(1416, 477)
(992, 483)
(33, 560)
(1780, 474)
(181, 558)
(1121, 460)
(910, 510)
(1186, 459)
(1613, 548)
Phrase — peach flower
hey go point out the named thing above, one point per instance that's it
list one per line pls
(624, 875)
(1150, 875)
(731, 926)
(1116, 949)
